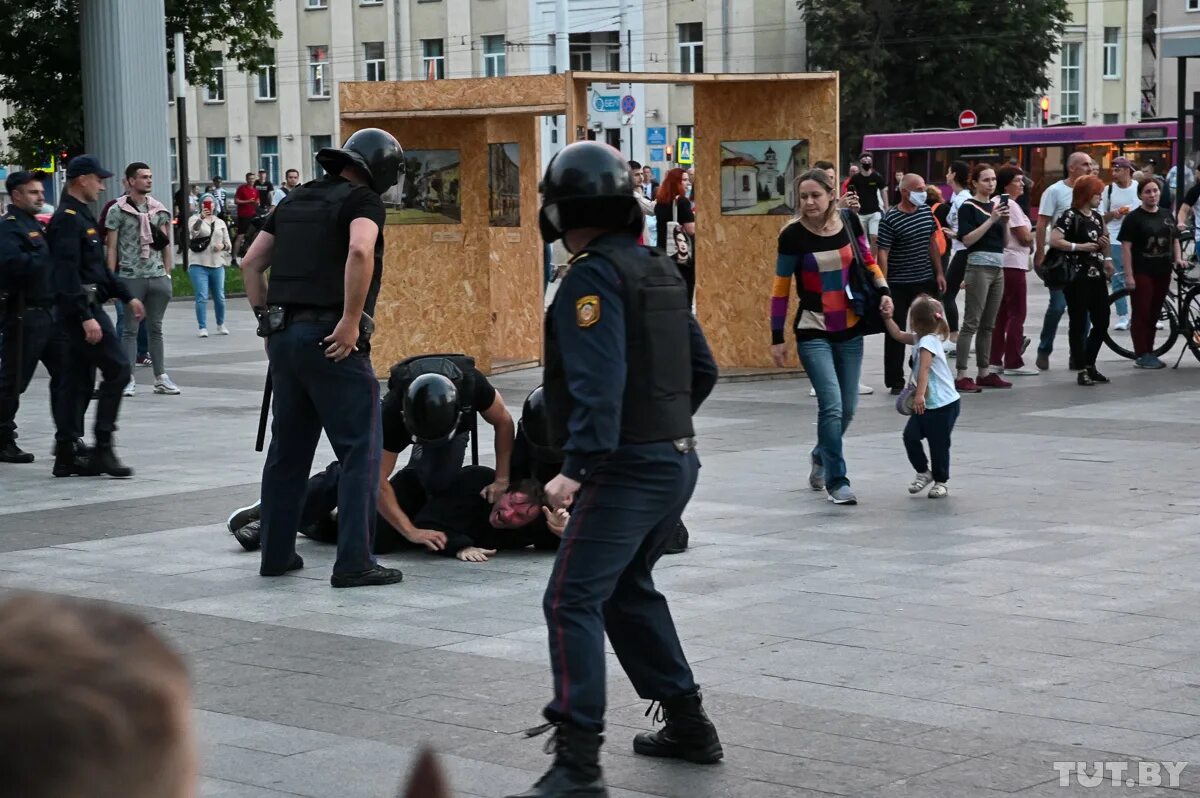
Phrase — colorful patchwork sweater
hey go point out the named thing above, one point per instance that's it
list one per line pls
(821, 266)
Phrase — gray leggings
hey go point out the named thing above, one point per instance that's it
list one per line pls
(155, 294)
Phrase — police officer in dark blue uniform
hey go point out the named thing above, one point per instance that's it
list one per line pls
(82, 284)
(30, 333)
(626, 367)
(324, 247)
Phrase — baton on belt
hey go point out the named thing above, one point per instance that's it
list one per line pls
(262, 414)
(19, 328)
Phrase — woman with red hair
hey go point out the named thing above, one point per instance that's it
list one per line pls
(674, 210)
(1080, 234)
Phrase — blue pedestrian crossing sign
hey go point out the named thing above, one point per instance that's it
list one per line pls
(683, 151)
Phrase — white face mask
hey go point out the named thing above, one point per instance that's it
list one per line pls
(918, 198)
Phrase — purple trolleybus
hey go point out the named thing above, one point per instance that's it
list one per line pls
(1041, 151)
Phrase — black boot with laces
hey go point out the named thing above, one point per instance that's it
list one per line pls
(686, 734)
(576, 769)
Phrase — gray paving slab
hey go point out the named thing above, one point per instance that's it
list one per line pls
(1048, 610)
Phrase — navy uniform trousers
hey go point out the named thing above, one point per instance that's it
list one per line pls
(83, 359)
(622, 519)
(311, 393)
(42, 341)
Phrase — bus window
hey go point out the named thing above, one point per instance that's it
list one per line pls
(1047, 165)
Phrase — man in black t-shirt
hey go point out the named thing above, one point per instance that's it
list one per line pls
(265, 189)
(870, 187)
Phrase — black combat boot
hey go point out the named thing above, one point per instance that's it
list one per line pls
(71, 458)
(103, 460)
(576, 769)
(11, 453)
(687, 734)
(679, 539)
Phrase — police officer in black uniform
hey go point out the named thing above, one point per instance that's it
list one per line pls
(30, 333)
(82, 284)
(324, 247)
(626, 367)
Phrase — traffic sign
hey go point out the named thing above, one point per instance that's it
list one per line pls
(628, 104)
(968, 119)
(684, 148)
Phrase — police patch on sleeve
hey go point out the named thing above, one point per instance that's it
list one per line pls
(587, 310)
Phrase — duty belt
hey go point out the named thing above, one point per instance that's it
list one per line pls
(314, 314)
(684, 445)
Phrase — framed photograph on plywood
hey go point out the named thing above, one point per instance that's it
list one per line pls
(504, 185)
(430, 190)
(758, 177)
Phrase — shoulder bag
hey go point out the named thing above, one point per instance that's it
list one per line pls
(865, 295)
(679, 247)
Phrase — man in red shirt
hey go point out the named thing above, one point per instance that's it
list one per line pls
(246, 199)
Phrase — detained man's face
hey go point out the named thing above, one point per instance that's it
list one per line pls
(515, 509)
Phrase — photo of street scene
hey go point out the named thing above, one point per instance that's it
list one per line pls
(757, 177)
(429, 192)
(504, 185)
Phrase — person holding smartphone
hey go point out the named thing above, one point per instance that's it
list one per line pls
(981, 228)
(208, 238)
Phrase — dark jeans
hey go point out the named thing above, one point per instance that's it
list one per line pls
(1087, 303)
(313, 392)
(956, 272)
(903, 295)
(1148, 298)
(42, 341)
(934, 426)
(601, 582)
(84, 359)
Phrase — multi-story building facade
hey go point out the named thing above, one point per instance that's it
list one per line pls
(1177, 19)
(278, 118)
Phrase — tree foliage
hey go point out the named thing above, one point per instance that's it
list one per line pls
(40, 63)
(918, 63)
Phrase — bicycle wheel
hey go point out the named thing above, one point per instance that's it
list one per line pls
(1189, 325)
(1123, 345)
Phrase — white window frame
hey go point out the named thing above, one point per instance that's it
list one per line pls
(1193, 5)
(370, 2)
(216, 96)
(691, 51)
(1112, 54)
(495, 64)
(439, 61)
(579, 52)
(218, 163)
(267, 78)
(174, 161)
(269, 160)
(374, 69)
(313, 149)
(318, 73)
(316, 5)
(1065, 94)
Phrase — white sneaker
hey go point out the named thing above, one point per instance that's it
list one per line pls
(812, 391)
(1158, 325)
(920, 483)
(163, 384)
(222, 329)
(865, 390)
(203, 333)
(130, 388)
(1122, 323)
(939, 491)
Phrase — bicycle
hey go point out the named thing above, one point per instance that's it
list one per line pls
(1180, 314)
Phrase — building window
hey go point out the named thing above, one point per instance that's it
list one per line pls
(373, 59)
(370, 2)
(318, 71)
(266, 77)
(316, 144)
(214, 90)
(433, 59)
(1071, 82)
(174, 162)
(580, 47)
(218, 160)
(494, 65)
(1112, 119)
(317, 4)
(691, 47)
(268, 157)
(1112, 53)
(552, 45)
(613, 39)
(1193, 5)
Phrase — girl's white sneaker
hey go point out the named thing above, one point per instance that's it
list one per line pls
(921, 482)
(939, 491)
(202, 333)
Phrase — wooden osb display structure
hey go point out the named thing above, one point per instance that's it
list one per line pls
(478, 289)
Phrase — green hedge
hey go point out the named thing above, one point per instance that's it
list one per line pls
(181, 285)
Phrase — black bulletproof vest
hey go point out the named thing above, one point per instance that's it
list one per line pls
(657, 405)
(308, 266)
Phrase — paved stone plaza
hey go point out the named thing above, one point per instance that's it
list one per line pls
(1049, 610)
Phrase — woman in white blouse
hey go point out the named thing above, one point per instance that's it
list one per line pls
(211, 247)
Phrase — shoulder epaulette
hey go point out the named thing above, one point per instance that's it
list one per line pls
(68, 210)
(578, 257)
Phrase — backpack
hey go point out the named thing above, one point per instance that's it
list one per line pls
(458, 368)
(943, 243)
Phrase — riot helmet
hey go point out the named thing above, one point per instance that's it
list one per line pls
(431, 410)
(374, 151)
(588, 184)
(535, 424)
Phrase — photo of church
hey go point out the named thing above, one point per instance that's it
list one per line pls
(757, 177)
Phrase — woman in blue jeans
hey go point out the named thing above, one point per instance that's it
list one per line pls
(817, 248)
(207, 266)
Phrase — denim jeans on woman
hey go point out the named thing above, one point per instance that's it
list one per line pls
(834, 367)
(208, 281)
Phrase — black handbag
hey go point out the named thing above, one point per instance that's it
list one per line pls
(1055, 270)
(865, 295)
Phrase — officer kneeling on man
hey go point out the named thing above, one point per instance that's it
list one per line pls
(626, 367)
(324, 247)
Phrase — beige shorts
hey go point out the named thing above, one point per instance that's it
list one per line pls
(870, 222)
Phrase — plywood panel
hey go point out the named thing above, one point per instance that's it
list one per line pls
(470, 93)
(735, 255)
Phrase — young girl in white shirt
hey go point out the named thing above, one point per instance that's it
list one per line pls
(935, 401)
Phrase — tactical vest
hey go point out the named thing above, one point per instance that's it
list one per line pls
(308, 266)
(657, 405)
(458, 368)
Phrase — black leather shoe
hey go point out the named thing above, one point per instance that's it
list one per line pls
(1096, 376)
(296, 564)
(372, 576)
(239, 518)
(679, 540)
(71, 458)
(576, 769)
(687, 734)
(249, 535)
(103, 460)
(11, 453)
